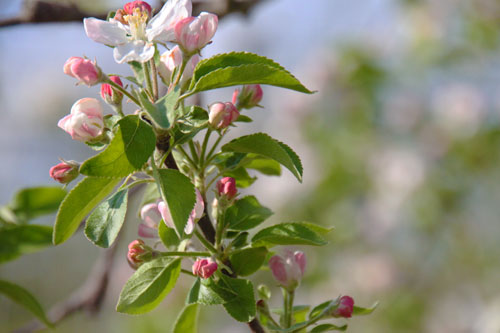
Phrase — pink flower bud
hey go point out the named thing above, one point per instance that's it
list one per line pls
(64, 172)
(289, 268)
(82, 69)
(193, 33)
(204, 268)
(135, 249)
(151, 217)
(249, 96)
(195, 215)
(85, 122)
(226, 187)
(109, 94)
(221, 115)
(143, 7)
(171, 60)
(345, 307)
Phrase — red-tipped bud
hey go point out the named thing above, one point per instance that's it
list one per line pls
(288, 269)
(136, 253)
(111, 95)
(142, 5)
(64, 172)
(226, 187)
(82, 69)
(204, 268)
(193, 33)
(249, 96)
(345, 307)
(221, 115)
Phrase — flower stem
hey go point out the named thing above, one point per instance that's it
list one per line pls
(184, 254)
(147, 75)
(185, 271)
(220, 230)
(186, 156)
(205, 242)
(125, 92)
(204, 147)
(288, 297)
(154, 75)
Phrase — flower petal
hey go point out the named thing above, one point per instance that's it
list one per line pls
(104, 32)
(161, 26)
(137, 50)
(147, 231)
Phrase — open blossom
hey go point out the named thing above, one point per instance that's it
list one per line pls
(204, 268)
(64, 172)
(151, 217)
(85, 122)
(171, 60)
(345, 307)
(289, 268)
(133, 34)
(82, 69)
(111, 95)
(249, 96)
(193, 33)
(221, 115)
(195, 215)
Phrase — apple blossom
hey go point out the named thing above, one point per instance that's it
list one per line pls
(137, 253)
(193, 33)
(64, 172)
(82, 69)
(221, 115)
(288, 269)
(134, 41)
(151, 217)
(249, 96)
(204, 268)
(172, 60)
(85, 122)
(345, 307)
(195, 215)
(109, 94)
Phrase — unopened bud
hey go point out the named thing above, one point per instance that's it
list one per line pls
(221, 115)
(172, 60)
(249, 96)
(193, 33)
(204, 268)
(345, 307)
(142, 5)
(85, 122)
(82, 69)
(151, 217)
(288, 269)
(138, 253)
(226, 188)
(111, 95)
(64, 172)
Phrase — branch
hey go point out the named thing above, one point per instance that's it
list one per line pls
(42, 11)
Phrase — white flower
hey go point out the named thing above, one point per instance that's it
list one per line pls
(135, 40)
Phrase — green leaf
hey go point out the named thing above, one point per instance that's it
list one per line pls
(288, 234)
(243, 119)
(246, 213)
(104, 224)
(229, 69)
(168, 235)
(320, 308)
(317, 228)
(242, 307)
(264, 165)
(263, 144)
(359, 311)
(167, 104)
(328, 327)
(24, 298)
(138, 71)
(247, 261)
(32, 202)
(23, 239)
(130, 149)
(187, 322)
(179, 194)
(79, 203)
(208, 292)
(149, 285)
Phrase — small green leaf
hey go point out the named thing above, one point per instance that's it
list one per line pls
(138, 71)
(24, 298)
(328, 327)
(32, 202)
(104, 224)
(187, 322)
(23, 239)
(242, 307)
(78, 204)
(208, 292)
(179, 194)
(246, 214)
(247, 261)
(243, 119)
(168, 235)
(288, 234)
(359, 311)
(320, 308)
(167, 104)
(263, 144)
(149, 285)
(130, 149)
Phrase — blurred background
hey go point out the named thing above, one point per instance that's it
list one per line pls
(400, 146)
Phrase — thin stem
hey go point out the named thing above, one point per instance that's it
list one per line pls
(181, 70)
(185, 154)
(147, 75)
(194, 154)
(165, 156)
(204, 146)
(209, 155)
(205, 242)
(125, 92)
(185, 271)
(288, 297)
(184, 254)
(220, 229)
(154, 74)
(118, 109)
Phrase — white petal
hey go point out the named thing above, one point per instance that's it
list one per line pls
(137, 50)
(109, 33)
(161, 26)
